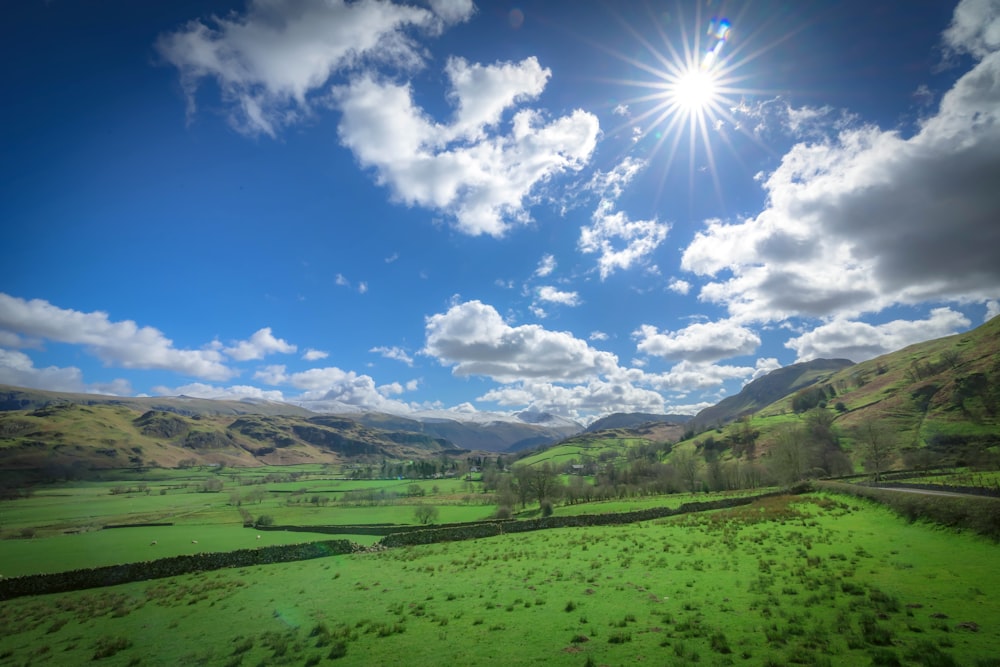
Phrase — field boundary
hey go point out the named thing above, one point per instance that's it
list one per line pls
(113, 575)
(980, 514)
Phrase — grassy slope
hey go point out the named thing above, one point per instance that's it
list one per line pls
(811, 581)
(105, 436)
(890, 391)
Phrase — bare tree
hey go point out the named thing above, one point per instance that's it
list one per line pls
(877, 442)
(687, 467)
(789, 456)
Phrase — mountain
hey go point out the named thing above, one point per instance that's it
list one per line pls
(633, 419)
(65, 434)
(938, 401)
(766, 390)
(484, 431)
(479, 430)
(19, 398)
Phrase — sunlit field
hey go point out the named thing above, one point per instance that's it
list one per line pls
(816, 579)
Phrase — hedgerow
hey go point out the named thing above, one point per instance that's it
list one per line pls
(978, 514)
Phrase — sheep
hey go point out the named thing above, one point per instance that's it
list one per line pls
(258, 537)
(194, 541)
(152, 543)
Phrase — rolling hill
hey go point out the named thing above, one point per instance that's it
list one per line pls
(115, 435)
(939, 399)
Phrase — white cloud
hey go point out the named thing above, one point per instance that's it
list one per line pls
(620, 241)
(234, 392)
(341, 281)
(315, 355)
(453, 11)
(992, 310)
(859, 341)
(581, 401)
(552, 295)
(484, 181)
(679, 286)
(546, 266)
(17, 368)
(261, 343)
(123, 343)
(698, 376)
(474, 338)
(270, 59)
(363, 288)
(975, 28)
(598, 335)
(699, 342)
(869, 218)
(397, 353)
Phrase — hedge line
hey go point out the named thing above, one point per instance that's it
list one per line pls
(112, 575)
(979, 514)
(948, 488)
(367, 529)
(490, 529)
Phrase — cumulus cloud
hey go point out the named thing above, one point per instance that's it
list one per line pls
(859, 341)
(123, 343)
(552, 295)
(234, 392)
(599, 396)
(473, 338)
(545, 266)
(598, 335)
(871, 218)
(466, 169)
(619, 241)
(975, 28)
(269, 60)
(17, 368)
(992, 310)
(699, 342)
(315, 355)
(261, 343)
(397, 353)
(679, 286)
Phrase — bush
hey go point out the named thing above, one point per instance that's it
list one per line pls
(265, 520)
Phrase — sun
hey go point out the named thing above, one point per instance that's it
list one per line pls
(692, 85)
(694, 90)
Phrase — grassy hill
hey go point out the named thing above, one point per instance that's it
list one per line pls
(939, 400)
(68, 434)
(765, 390)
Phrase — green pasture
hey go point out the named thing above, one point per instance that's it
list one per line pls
(674, 500)
(581, 451)
(810, 580)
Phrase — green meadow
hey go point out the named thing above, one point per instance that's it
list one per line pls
(811, 580)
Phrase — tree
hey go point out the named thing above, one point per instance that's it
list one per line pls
(877, 443)
(544, 483)
(687, 467)
(425, 514)
(788, 455)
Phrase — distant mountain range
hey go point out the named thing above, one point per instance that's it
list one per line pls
(935, 392)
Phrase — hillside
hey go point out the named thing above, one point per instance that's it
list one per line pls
(492, 435)
(20, 398)
(633, 419)
(67, 434)
(938, 401)
(766, 390)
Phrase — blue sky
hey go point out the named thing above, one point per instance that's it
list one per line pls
(568, 207)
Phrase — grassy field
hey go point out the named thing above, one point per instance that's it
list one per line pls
(806, 580)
